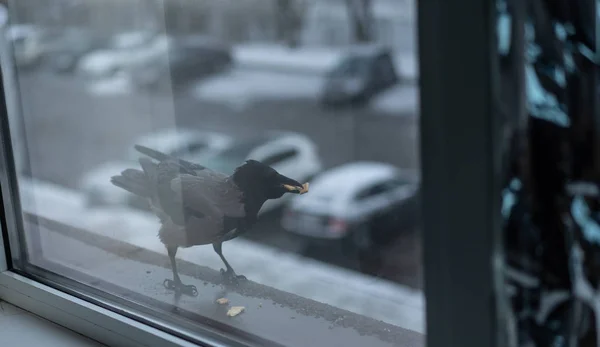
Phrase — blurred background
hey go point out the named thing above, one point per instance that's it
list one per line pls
(324, 91)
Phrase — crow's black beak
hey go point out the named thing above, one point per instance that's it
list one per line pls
(292, 186)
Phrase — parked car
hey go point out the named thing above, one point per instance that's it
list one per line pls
(64, 52)
(123, 50)
(27, 44)
(187, 58)
(362, 73)
(360, 203)
(182, 143)
(290, 153)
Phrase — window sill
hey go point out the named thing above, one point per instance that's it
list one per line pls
(135, 269)
(22, 328)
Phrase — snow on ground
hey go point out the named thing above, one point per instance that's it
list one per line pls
(266, 72)
(400, 100)
(116, 85)
(241, 87)
(407, 66)
(275, 57)
(373, 297)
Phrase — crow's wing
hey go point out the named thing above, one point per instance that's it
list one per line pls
(197, 231)
(209, 193)
(206, 199)
(134, 181)
(151, 171)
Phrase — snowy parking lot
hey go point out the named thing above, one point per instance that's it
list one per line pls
(264, 72)
(240, 88)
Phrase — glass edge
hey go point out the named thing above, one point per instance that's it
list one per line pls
(14, 245)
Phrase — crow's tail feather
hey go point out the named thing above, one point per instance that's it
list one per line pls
(134, 174)
(149, 170)
(132, 182)
(154, 154)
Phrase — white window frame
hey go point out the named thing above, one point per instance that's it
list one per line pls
(457, 43)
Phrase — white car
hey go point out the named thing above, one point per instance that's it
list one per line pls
(182, 143)
(291, 154)
(125, 50)
(362, 202)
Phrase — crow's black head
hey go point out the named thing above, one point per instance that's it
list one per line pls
(262, 180)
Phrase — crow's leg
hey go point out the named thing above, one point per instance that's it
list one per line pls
(176, 284)
(229, 275)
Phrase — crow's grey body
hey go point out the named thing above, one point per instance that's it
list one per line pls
(195, 207)
(198, 206)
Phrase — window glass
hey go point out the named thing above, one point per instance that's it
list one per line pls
(397, 183)
(279, 157)
(190, 148)
(351, 67)
(375, 190)
(196, 146)
(199, 162)
(385, 69)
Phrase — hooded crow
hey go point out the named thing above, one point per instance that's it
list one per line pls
(199, 206)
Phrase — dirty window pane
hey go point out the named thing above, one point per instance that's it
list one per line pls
(279, 157)
(550, 116)
(172, 153)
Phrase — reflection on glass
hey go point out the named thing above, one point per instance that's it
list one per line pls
(549, 201)
(181, 152)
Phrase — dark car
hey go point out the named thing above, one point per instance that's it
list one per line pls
(364, 72)
(67, 48)
(187, 59)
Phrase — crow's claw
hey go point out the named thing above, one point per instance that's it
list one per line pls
(169, 284)
(185, 289)
(230, 277)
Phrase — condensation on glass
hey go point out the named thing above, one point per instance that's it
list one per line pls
(324, 92)
(548, 100)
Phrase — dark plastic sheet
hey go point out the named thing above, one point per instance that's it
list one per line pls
(550, 202)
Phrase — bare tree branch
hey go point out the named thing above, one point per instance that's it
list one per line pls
(289, 21)
(361, 19)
